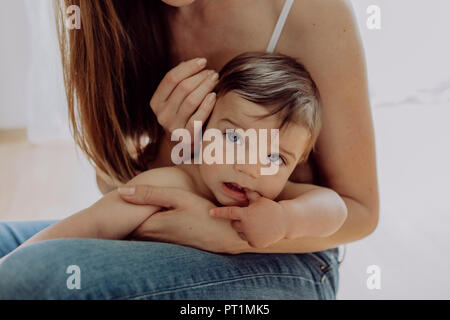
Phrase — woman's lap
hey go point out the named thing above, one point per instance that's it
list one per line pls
(154, 270)
(14, 233)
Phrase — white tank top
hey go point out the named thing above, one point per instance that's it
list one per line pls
(279, 26)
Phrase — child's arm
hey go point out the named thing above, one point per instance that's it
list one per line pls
(110, 217)
(311, 211)
(301, 210)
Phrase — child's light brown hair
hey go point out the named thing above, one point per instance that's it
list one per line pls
(278, 82)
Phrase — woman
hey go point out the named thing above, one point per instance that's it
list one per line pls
(113, 68)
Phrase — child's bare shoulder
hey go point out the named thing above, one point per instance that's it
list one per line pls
(164, 177)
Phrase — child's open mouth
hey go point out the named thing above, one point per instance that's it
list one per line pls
(234, 190)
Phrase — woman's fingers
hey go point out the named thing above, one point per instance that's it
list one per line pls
(157, 196)
(168, 116)
(196, 97)
(183, 93)
(172, 79)
(202, 113)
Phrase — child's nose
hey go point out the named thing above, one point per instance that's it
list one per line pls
(252, 170)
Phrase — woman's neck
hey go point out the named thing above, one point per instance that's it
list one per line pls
(196, 12)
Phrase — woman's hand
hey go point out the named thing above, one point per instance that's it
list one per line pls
(186, 221)
(183, 96)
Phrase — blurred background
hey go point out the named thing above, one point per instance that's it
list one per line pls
(46, 177)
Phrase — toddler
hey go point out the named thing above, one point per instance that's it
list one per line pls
(256, 91)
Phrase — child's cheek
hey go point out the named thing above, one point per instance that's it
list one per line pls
(272, 186)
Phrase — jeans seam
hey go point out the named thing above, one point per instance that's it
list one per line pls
(212, 283)
(328, 280)
(325, 267)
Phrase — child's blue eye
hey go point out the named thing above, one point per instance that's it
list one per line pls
(276, 158)
(232, 136)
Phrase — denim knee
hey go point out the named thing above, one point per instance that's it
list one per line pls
(33, 272)
(151, 270)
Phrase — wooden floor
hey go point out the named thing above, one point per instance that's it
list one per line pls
(43, 181)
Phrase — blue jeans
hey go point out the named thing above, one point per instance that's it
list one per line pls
(106, 269)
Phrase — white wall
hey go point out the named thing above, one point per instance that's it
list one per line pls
(411, 51)
(14, 63)
(46, 102)
(31, 92)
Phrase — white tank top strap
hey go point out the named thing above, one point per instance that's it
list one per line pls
(280, 25)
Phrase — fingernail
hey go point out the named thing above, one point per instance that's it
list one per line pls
(201, 62)
(126, 191)
(215, 76)
(211, 212)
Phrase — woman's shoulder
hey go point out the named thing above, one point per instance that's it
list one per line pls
(324, 37)
(315, 22)
(314, 10)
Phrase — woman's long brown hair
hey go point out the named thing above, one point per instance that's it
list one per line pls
(112, 66)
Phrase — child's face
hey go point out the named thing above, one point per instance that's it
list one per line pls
(292, 142)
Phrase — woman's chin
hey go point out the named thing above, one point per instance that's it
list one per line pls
(178, 3)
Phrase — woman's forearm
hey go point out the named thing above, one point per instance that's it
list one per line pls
(197, 229)
(188, 223)
(108, 218)
(359, 224)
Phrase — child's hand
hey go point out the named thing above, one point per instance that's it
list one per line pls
(261, 224)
